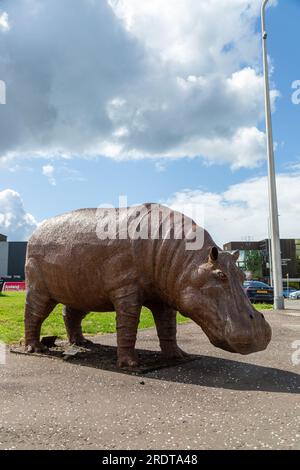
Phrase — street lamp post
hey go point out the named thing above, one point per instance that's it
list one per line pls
(273, 205)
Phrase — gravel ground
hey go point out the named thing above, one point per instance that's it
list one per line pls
(219, 401)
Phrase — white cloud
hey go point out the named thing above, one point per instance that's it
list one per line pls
(4, 23)
(211, 117)
(15, 222)
(242, 210)
(246, 148)
(48, 171)
(160, 166)
(190, 31)
(294, 166)
(137, 79)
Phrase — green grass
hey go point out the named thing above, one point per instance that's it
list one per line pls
(263, 306)
(12, 315)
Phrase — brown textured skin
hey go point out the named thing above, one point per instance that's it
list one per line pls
(67, 263)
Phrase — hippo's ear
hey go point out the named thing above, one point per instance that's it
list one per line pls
(236, 256)
(213, 254)
(200, 276)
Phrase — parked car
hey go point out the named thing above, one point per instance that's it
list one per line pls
(259, 292)
(295, 295)
(287, 291)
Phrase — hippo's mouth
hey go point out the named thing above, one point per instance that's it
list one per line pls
(240, 347)
(223, 345)
(246, 348)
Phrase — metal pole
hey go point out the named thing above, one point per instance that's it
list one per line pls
(273, 206)
(270, 254)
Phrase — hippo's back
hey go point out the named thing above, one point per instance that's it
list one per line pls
(72, 261)
(63, 230)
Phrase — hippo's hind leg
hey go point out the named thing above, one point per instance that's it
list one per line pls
(165, 321)
(38, 307)
(73, 319)
(128, 309)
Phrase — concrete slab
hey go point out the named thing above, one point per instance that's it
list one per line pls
(292, 308)
(219, 401)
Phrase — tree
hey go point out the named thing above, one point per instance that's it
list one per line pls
(253, 263)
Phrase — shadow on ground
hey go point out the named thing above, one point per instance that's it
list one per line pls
(209, 371)
(206, 371)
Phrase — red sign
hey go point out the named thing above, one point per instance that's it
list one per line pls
(14, 286)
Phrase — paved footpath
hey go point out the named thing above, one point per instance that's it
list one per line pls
(220, 401)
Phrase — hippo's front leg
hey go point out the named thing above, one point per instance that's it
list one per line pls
(128, 309)
(165, 321)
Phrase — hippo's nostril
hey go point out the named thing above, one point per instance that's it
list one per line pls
(251, 316)
(262, 315)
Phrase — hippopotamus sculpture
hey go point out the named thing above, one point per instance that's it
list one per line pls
(74, 260)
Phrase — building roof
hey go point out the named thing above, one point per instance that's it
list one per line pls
(253, 244)
(3, 238)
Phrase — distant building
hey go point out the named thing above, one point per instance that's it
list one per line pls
(290, 254)
(12, 259)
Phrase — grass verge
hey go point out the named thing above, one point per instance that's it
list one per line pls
(12, 317)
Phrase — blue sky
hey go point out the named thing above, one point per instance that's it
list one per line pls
(283, 22)
(149, 165)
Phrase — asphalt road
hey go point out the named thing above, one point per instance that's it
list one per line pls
(219, 401)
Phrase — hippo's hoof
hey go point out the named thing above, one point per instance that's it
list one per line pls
(82, 342)
(36, 348)
(183, 353)
(174, 353)
(127, 362)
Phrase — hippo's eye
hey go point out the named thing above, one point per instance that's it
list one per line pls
(220, 275)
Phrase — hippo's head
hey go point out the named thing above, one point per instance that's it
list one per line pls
(215, 300)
